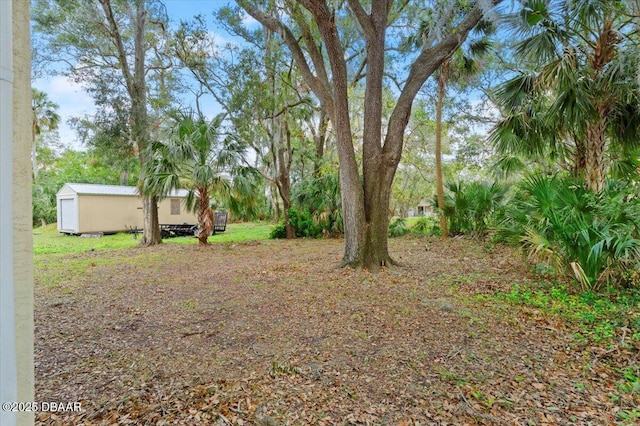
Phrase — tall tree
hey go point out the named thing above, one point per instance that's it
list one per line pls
(195, 158)
(314, 32)
(583, 95)
(105, 44)
(262, 94)
(463, 64)
(45, 119)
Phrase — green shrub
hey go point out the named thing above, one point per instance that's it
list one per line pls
(278, 231)
(398, 227)
(592, 237)
(317, 208)
(425, 226)
(469, 207)
(303, 226)
(44, 205)
(320, 197)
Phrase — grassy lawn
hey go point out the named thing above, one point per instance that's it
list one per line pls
(47, 240)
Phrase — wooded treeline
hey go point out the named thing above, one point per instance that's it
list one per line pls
(515, 119)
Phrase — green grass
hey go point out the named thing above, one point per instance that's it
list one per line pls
(235, 232)
(608, 318)
(56, 255)
(599, 317)
(46, 240)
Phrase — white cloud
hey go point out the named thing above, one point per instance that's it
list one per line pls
(215, 42)
(249, 20)
(70, 94)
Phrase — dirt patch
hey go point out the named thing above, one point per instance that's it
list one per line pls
(270, 333)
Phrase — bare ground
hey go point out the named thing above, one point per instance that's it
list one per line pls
(271, 333)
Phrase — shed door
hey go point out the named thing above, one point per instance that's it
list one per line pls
(68, 215)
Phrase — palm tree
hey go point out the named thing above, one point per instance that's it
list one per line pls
(45, 119)
(583, 95)
(196, 159)
(462, 65)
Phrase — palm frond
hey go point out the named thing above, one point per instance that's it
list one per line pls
(538, 248)
(581, 276)
(507, 165)
(541, 47)
(516, 92)
(480, 47)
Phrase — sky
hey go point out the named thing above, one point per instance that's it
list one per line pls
(74, 102)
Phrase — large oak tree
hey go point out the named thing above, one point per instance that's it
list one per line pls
(316, 33)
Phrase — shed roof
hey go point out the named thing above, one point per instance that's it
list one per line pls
(96, 189)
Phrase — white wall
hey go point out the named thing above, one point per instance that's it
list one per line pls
(16, 251)
(8, 366)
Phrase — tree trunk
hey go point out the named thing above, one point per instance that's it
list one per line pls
(319, 139)
(374, 167)
(596, 143)
(285, 194)
(281, 153)
(579, 157)
(288, 227)
(205, 216)
(365, 203)
(351, 190)
(284, 185)
(124, 177)
(376, 249)
(151, 232)
(274, 200)
(135, 82)
(442, 84)
(151, 225)
(353, 215)
(595, 163)
(34, 147)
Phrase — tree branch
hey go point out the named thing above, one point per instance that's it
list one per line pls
(315, 53)
(429, 59)
(363, 19)
(115, 33)
(277, 26)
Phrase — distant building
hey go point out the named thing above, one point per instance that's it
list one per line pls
(425, 209)
(84, 208)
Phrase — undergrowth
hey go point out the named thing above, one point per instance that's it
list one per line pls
(594, 238)
(597, 316)
(609, 319)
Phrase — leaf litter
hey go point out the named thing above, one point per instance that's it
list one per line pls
(272, 333)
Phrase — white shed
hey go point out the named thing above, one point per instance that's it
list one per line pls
(86, 208)
(425, 209)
